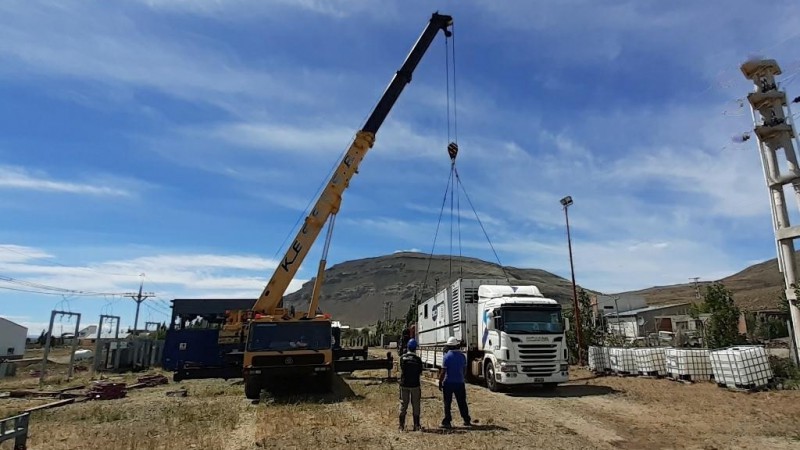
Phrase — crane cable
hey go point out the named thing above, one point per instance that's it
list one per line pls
(455, 194)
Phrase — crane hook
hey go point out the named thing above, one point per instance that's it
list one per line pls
(452, 150)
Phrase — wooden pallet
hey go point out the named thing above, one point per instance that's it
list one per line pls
(650, 374)
(748, 387)
(622, 373)
(687, 379)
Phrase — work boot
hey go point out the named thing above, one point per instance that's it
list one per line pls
(417, 426)
(402, 420)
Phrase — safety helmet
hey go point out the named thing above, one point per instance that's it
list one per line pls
(412, 344)
(453, 341)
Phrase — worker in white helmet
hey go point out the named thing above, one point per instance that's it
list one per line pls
(452, 382)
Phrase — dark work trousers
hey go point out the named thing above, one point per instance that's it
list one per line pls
(412, 394)
(460, 391)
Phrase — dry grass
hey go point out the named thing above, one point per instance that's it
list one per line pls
(590, 412)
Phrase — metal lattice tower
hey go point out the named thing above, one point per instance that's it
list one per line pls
(775, 133)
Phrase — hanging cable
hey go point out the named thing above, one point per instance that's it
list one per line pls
(455, 139)
(435, 235)
(458, 179)
(460, 255)
(455, 97)
(447, 81)
(452, 187)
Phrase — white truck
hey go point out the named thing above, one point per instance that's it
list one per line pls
(513, 335)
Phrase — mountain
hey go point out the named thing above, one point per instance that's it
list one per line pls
(354, 292)
(756, 287)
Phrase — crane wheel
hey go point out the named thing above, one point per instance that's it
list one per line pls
(252, 389)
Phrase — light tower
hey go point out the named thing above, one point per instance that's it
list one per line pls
(775, 132)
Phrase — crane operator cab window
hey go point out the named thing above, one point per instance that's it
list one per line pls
(289, 336)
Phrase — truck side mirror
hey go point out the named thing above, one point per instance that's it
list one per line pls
(566, 325)
(498, 323)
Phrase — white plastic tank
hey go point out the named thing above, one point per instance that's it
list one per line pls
(83, 354)
(650, 361)
(622, 360)
(688, 364)
(743, 367)
(599, 359)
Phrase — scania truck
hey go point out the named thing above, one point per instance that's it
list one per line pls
(512, 335)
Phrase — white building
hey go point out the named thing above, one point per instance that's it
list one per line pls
(13, 337)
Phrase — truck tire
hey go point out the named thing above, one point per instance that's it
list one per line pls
(324, 382)
(488, 374)
(252, 389)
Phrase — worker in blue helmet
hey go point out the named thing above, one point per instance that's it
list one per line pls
(410, 372)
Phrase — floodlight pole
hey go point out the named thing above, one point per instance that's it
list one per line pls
(566, 202)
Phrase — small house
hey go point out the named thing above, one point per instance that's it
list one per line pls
(13, 338)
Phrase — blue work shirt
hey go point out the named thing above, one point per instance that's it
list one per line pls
(454, 363)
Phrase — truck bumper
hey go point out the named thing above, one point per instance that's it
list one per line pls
(522, 378)
(280, 372)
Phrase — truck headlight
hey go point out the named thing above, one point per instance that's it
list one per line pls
(508, 367)
(564, 367)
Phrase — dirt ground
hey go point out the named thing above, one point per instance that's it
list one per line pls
(588, 412)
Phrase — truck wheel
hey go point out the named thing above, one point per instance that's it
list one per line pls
(488, 373)
(324, 382)
(252, 389)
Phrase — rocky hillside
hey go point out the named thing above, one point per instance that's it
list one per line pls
(756, 287)
(355, 291)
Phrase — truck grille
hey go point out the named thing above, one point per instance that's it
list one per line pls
(288, 360)
(539, 370)
(537, 352)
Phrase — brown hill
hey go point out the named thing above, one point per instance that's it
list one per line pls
(756, 287)
(354, 292)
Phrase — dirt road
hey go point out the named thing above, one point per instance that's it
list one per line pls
(588, 412)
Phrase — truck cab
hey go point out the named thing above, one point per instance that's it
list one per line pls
(281, 351)
(521, 338)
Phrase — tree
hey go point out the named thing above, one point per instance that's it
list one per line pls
(722, 328)
(591, 330)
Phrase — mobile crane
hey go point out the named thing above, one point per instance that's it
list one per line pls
(277, 342)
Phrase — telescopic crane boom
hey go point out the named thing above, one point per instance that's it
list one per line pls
(269, 302)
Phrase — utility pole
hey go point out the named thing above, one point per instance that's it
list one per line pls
(139, 298)
(774, 130)
(566, 202)
(696, 287)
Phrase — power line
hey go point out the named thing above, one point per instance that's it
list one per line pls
(139, 298)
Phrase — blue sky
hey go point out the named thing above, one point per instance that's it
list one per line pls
(183, 139)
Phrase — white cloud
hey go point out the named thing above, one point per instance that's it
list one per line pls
(621, 264)
(170, 275)
(249, 8)
(105, 45)
(34, 327)
(274, 137)
(10, 253)
(12, 177)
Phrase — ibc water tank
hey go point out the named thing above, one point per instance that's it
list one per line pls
(83, 354)
(743, 367)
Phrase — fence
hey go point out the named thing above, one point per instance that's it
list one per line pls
(15, 427)
(361, 341)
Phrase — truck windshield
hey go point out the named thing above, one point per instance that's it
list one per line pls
(289, 336)
(532, 321)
